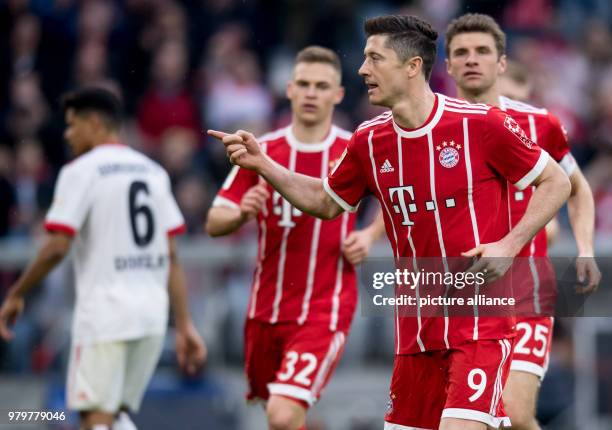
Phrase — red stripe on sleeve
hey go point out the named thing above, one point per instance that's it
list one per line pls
(178, 230)
(62, 228)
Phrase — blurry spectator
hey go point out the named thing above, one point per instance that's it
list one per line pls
(95, 22)
(193, 200)
(235, 98)
(33, 184)
(7, 193)
(167, 103)
(91, 68)
(240, 82)
(28, 108)
(169, 24)
(19, 43)
(599, 172)
(25, 39)
(529, 14)
(178, 146)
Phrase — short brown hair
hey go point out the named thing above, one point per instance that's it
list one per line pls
(517, 73)
(319, 54)
(476, 23)
(408, 36)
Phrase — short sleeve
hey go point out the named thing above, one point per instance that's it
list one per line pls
(347, 183)
(235, 186)
(557, 146)
(510, 152)
(71, 200)
(172, 220)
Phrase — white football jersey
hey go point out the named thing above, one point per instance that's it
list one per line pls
(119, 206)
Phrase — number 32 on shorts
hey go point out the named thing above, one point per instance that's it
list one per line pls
(302, 377)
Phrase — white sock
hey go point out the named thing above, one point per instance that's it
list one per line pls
(100, 427)
(124, 422)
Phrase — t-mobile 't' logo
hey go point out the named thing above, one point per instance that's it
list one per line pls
(401, 197)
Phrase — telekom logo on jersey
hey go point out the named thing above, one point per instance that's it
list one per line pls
(283, 208)
(403, 202)
(398, 195)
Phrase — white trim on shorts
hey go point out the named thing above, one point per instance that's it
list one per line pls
(393, 426)
(292, 391)
(469, 414)
(529, 367)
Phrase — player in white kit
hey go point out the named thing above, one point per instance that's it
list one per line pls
(115, 207)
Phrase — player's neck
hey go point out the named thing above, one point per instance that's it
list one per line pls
(106, 138)
(489, 96)
(310, 133)
(413, 111)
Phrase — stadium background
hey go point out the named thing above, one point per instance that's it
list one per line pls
(184, 66)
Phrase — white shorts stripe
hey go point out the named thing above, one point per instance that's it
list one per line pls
(469, 414)
(292, 391)
(498, 386)
(332, 353)
(393, 426)
(529, 367)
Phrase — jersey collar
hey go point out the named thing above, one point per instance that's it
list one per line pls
(311, 147)
(431, 122)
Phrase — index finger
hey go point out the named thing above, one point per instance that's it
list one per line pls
(217, 134)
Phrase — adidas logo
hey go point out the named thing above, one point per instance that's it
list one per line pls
(386, 167)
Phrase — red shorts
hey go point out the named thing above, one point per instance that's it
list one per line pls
(532, 345)
(290, 360)
(463, 382)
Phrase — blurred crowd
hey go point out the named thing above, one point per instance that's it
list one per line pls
(184, 66)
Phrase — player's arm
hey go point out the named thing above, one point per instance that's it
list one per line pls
(304, 192)
(55, 247)
(552, 188)
(357, 245)
(224, 220)
(190, 348)
(510, 152)
(581, 210)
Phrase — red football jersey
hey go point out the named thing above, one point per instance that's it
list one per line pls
(545, 130)
(443, 191)
(301, 273)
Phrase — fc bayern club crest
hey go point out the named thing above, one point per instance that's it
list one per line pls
(449, 154)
